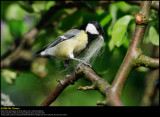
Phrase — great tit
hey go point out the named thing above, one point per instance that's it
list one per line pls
(72, 43)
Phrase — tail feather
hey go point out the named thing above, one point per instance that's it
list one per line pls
(38, 53)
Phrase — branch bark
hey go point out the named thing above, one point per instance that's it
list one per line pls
(148, 62)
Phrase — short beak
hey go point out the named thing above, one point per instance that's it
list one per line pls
(101, 37)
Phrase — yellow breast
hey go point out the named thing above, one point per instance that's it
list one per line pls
(74, 45)
(81, 41)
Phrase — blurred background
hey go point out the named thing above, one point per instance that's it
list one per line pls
(27, 81)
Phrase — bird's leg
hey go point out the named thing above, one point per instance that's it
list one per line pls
(66, 63)
(79, 60)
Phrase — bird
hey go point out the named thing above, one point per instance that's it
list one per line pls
(72, 43)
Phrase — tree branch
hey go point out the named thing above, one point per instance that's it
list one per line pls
(151, 93)
(59, 88)
(148, 62)
(82, 71)
(132, 54)
(90, 75)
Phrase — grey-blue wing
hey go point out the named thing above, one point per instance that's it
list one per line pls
(67, 35)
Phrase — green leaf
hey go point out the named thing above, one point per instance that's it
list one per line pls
(49, 4)
(100, 12)
(4, 6)
(9, 76)
(146, 36)
(6, 38)
(39, 6)
(14, 12)
(26, 7)
(113, 11)
(125, 41)
(105, 20)
(16, 31)
(126, 7)
(111, 45)
(153, 36)
(109, 31)
(120, 29)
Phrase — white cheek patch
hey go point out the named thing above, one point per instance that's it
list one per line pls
(91, 29)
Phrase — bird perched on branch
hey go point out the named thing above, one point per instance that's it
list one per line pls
(72, 43)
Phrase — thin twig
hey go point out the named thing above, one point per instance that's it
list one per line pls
(148, 62)
(59, 88)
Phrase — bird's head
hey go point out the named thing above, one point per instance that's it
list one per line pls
(94, 29)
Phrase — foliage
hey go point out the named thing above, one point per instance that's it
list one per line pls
(19, 17)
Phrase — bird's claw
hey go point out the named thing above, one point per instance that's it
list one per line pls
(88, 65)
